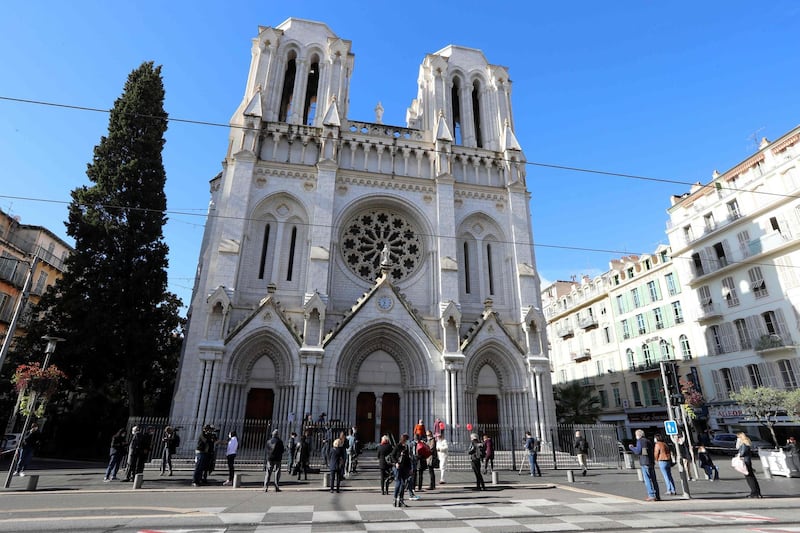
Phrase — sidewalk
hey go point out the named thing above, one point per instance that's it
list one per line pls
(57, 475)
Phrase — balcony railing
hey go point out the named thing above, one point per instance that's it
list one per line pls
(565, 332)
(773, 342)
(587, 322)
(582, 356)
(708, 311)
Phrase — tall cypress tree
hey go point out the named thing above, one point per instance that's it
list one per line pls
(112, 305)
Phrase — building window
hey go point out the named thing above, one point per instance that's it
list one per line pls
(654, 387)
(658, 316)
(708, 222)
(704, 297)
(630, 358)
(626, 330)
(641, 324)
(489, 268)
(729, 292)
(672, 287)
(727, 380)
(603, 398)
(686, 350)
(637, 397)
(620, 304)
(285, 110)
(617, 398)
(466, 268)
(263, 257)
(599, 365)
(757, 284)
(677, 312)
(635, 297)
(655, 293)
(455, 102)
(312, 84)
(646, 355)
(788, 371)
(688, 234)
(733, 210)
(664, 256)
(744, 242)
(698, 264)
(755, 376)
(771, 322)
(476, 113)
(607, 334)
(616, 279)
(648, 264)
(666, 354)
(292, 247)
(742, 333)
(714, 337)
(719, 250)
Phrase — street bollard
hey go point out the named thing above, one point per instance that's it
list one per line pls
(494, 477)
(326, 477)
(33, 481)
(570, 476)
(237, 480)
(137, 481)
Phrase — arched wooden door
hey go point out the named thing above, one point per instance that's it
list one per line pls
(259, 404)
(365, 416)
(390, 414)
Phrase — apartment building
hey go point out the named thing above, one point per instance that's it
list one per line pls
(19, 245)
(735, 243)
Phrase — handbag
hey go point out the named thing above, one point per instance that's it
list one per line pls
(738, 464)
(435, 462)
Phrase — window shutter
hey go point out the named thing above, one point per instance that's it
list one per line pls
(728, 335)
(719, 389)
(711, 345)
(768, 374)
(759, 327)
(783, 329)
(739, 378)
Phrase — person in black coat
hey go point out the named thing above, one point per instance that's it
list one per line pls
(743, 450)
(274, 453)
(303, 457)
(384, 451)
(401, 461)
(337, 456)
(646, 451)
(119, 442)
(476, 454)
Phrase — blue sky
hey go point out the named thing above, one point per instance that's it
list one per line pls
(670, 90)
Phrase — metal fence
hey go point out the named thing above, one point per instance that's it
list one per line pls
(556, 447)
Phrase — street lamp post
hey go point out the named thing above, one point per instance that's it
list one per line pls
(48, 351)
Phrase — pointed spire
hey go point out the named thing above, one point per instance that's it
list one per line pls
(253, 108)
(332, 114)
(511, 139)
(442, 129)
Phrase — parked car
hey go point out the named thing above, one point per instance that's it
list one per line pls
(9, 441)
(726, 443)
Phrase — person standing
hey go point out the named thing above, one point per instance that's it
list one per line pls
(488, 459)
(663, 458)
(352, 451)
(442, 450)
(476, 455)
(274, 457)
(292, 449)
(433, 461)
(581, 447)
(136, 453)
(645, 450)
(303, 456)
(116, 454)
(170, 442)
(743, 450)
(30, 444)
(202, 452)
(230, 455)
(532, 446)
(423, 453)
(401, 457)
(686, 458)
(419, 430)
(336, 464)
(707, 464)
(384, 452)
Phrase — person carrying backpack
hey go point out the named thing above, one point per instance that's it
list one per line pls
(476, 456)
(533, 446)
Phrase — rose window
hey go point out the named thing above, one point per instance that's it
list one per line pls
(365, 237)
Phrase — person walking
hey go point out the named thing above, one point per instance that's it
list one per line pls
(401, 457)
(476, 454)
(116, 454)
(645, 450)
(337, 457)
(433, 461)
(663, 458)
(707, 464)
(230, 455)
(385, 452)
(274, 456)
(30, 443)
(743, 450)
(488, 459)
(170, 442)
(581, 449)
(532, 446)
(442, 451)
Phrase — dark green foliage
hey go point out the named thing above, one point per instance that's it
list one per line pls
(121, 325)
(576, 404)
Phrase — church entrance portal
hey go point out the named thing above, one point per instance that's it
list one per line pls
(259, 404)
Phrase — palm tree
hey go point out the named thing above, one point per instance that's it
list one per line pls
(576, 404)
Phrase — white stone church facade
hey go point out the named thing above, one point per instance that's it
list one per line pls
(379, 274)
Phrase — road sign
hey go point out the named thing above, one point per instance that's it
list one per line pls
(670, 427)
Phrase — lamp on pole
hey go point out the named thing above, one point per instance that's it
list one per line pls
(48, 351)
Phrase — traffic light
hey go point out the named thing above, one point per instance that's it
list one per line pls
(672, 386)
